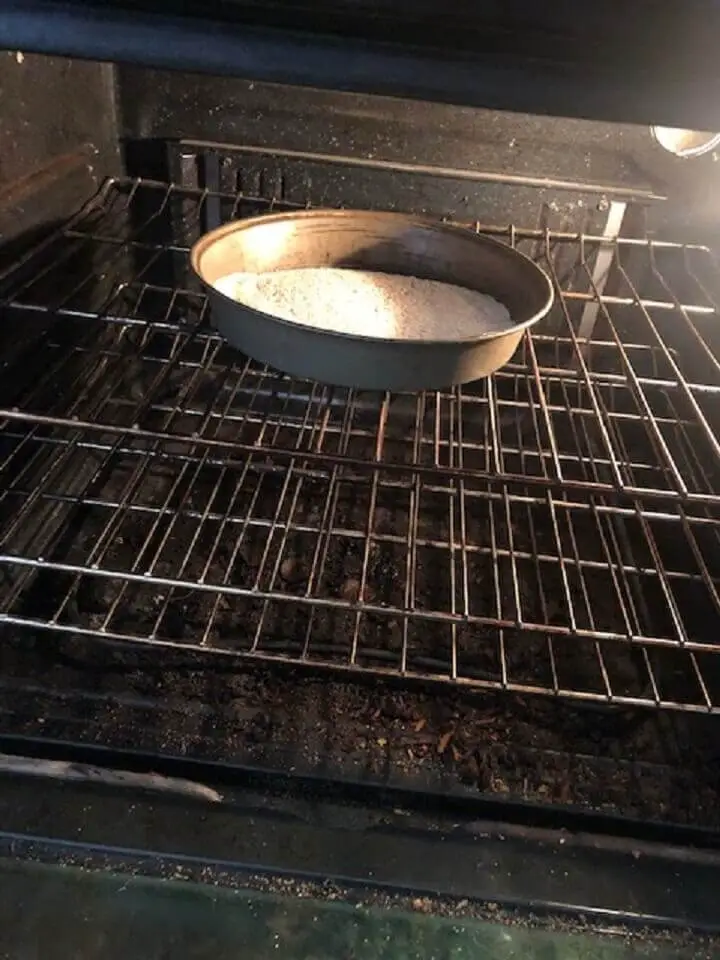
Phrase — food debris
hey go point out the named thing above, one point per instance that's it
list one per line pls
(351, 590)
(422, 904)
(293, 570)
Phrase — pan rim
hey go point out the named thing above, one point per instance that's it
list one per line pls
(218, 234)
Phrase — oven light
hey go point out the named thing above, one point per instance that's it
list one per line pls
(685, 143)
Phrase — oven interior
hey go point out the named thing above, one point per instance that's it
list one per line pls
(495, 604)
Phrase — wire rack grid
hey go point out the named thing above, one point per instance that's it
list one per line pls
(551, 530)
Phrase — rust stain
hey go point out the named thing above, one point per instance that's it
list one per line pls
(58, 168)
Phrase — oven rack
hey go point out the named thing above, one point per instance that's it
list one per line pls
(552, 530)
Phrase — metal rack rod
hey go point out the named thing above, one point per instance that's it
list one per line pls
(552, 530)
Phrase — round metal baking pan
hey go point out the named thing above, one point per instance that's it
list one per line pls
(386, 242)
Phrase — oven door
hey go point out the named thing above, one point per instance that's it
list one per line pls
(95, 861)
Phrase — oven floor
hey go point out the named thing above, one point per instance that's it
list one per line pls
(62, 911)
(637, 764)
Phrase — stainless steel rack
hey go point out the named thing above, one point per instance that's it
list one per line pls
(553, 530)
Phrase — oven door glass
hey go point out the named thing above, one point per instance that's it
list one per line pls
(50, 910)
